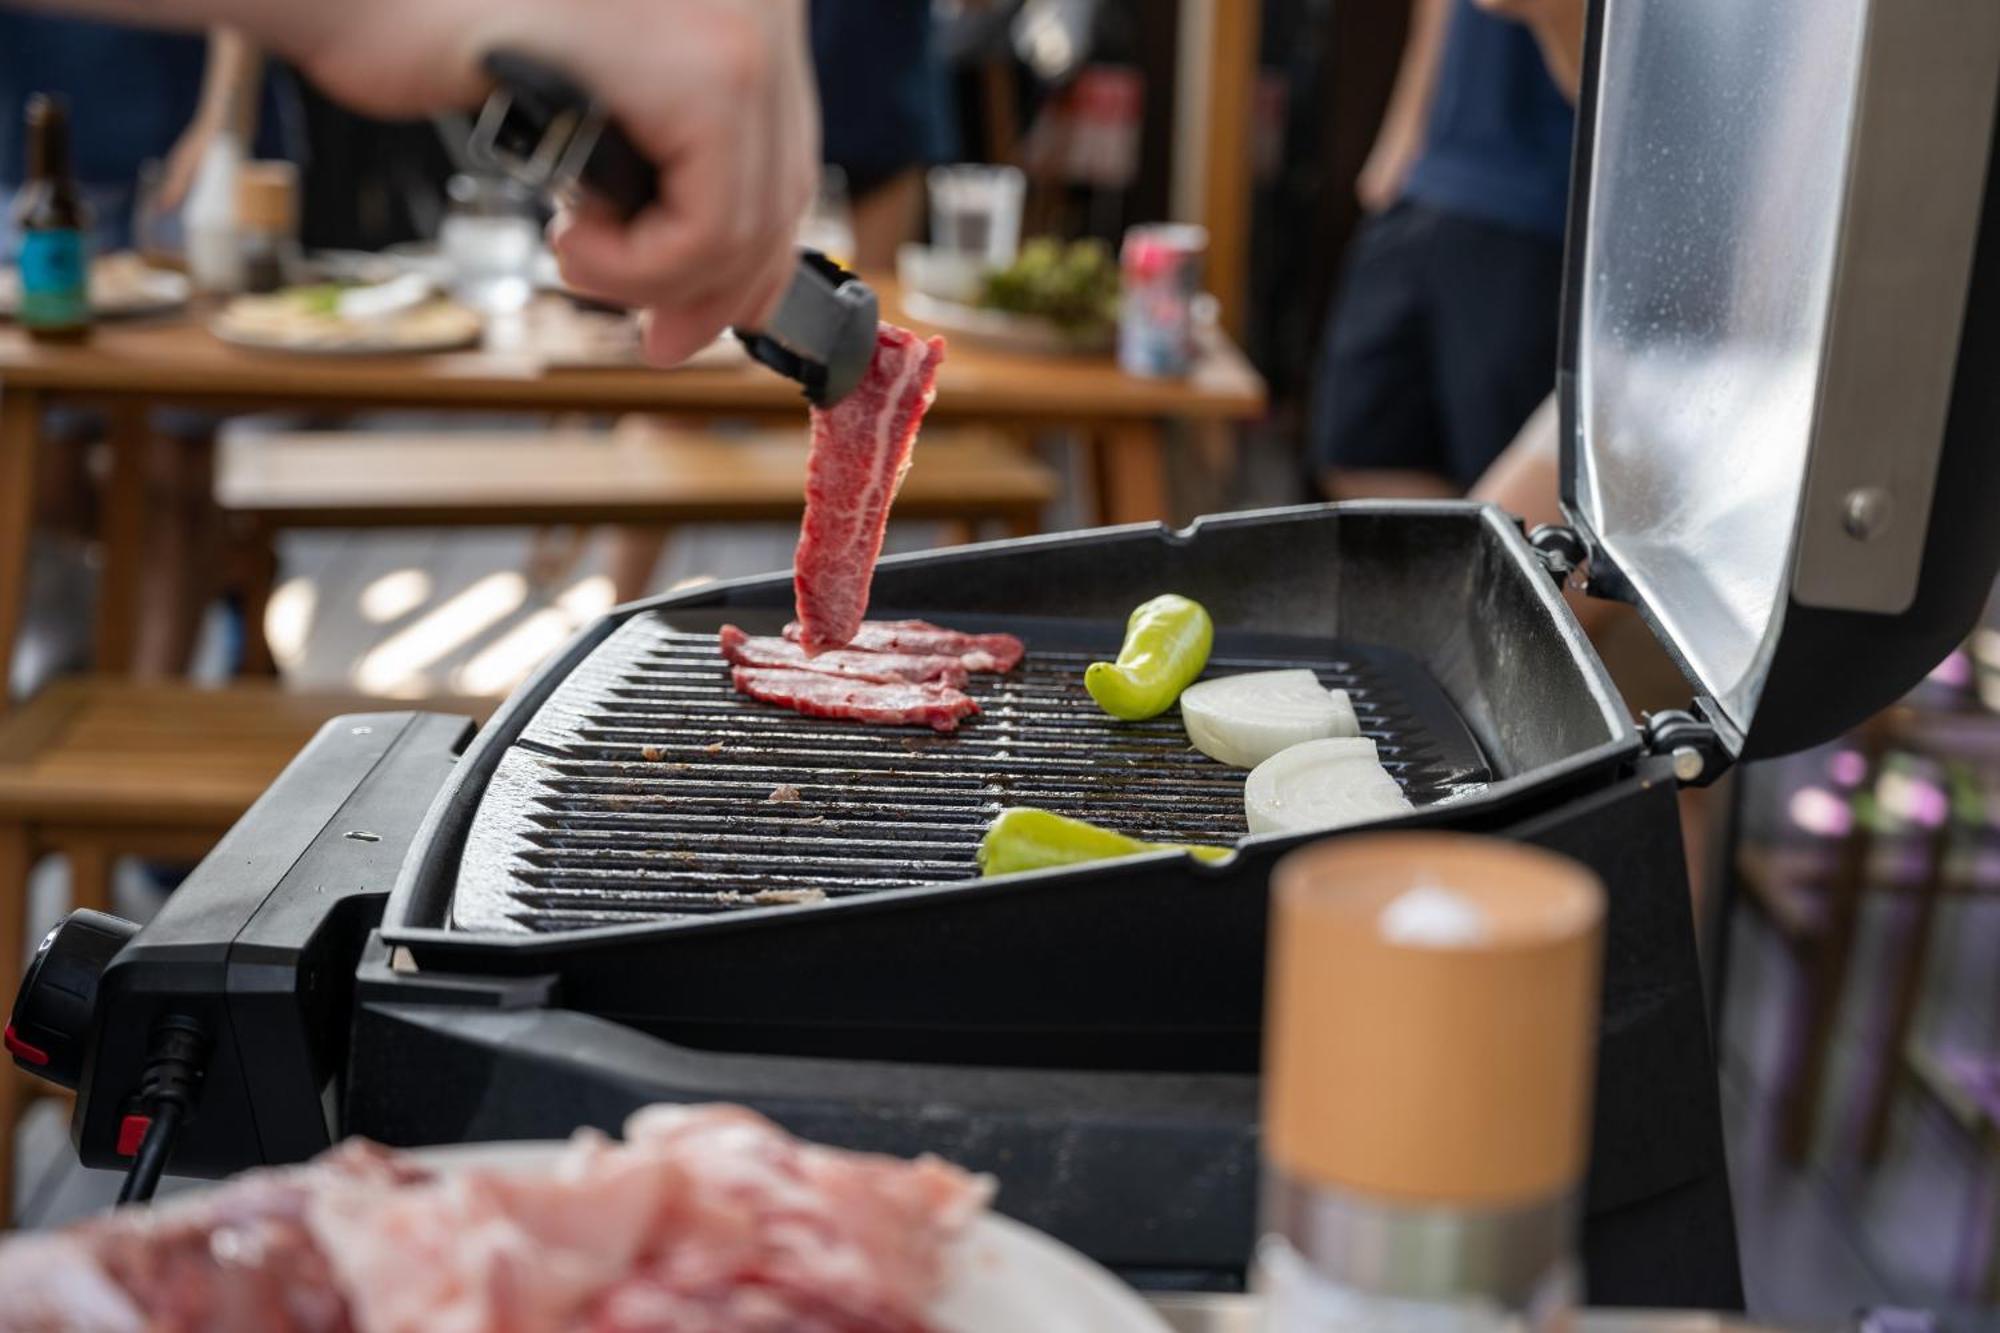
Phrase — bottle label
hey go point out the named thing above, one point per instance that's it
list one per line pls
(55, 279)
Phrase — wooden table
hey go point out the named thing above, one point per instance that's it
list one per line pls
(127, 368)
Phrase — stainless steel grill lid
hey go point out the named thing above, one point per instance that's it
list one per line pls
(1780, 355)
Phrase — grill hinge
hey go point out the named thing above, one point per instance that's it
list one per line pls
(1562, 550)
(1691, 741)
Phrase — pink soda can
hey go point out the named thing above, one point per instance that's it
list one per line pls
(1161, 266)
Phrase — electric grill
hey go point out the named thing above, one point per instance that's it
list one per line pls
(607, 897)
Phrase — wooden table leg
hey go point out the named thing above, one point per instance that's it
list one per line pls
(1880, 1088)
(20, 427)
(1826, 969)
(91, 866)
(121, 531)
(1132, 473)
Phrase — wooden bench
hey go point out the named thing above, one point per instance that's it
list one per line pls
(637, 473)
(643, 476)
(96, 768)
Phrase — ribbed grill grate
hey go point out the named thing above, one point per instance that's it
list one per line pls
(643, 789)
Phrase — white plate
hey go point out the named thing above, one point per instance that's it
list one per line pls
(308, 337)
(1005, 1277)
(121, 287)
(1002, 330)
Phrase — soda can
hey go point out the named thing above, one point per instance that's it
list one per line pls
(1161, 270)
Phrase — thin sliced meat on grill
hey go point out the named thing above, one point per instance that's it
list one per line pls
(817, 695)
(860, 451)
(978, 652)
(752, 650)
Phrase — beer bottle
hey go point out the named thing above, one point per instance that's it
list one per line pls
(54, 259)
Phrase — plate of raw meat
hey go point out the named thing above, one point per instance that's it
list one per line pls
(702, 1219)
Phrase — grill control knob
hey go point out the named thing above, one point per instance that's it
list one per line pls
(51, 1019)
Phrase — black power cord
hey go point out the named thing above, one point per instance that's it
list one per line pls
(166, 1094)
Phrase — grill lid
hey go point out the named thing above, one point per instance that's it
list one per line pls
(1780, 322)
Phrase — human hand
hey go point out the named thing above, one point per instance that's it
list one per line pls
(719, 93)
(725, 105)
(1383, 175)
(183, 160)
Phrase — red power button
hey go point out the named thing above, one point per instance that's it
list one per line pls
(131, 1133)
(18, 1047)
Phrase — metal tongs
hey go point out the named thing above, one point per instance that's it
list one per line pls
(546, 132)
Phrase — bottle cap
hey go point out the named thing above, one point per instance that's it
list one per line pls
(267, 197)
(1431, 1019)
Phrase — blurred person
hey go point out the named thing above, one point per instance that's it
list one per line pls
(883, 115)
(1526, 481)
(135, 97)
(718, 92)
(1442, 338)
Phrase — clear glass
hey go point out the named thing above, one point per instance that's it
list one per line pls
(976, 211)
(156, 229)
(829, 227)
(490, 240)
(1722, 136)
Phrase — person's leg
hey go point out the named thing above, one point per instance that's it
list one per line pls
(1495, 301)
(1374, 430)
(886, 216)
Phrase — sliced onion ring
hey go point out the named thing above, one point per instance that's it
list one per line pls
(1323, 784)
(1244, 720)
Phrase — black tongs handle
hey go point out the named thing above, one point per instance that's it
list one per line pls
(547, 131)
(610, 166)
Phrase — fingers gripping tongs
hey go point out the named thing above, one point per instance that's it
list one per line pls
(544, 131)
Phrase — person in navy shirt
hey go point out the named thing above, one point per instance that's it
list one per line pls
(1442, 339)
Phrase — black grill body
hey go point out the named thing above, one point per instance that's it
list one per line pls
(576, 927)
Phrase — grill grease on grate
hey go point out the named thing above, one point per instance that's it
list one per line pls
(647, 788)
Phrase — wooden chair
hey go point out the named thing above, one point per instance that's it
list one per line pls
(1967, 1089)
(93, 769)
(1812, 896)
(637, 473)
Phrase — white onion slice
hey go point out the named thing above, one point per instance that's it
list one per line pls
(1321, 785)
(1244, 720)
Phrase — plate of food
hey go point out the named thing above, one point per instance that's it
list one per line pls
(699, 1218)
(404, 315)
(122, 286)
(1053, 300)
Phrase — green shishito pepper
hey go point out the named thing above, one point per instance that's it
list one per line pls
(1027, 839)
(1166, 646)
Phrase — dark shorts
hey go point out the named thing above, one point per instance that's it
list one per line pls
(1441, 342)
(883, 92)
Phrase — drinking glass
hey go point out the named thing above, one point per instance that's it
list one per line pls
(976, 211)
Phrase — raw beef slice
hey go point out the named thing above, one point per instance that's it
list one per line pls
(752, 650)
(816, 694)
(976, 652)
(860, 451)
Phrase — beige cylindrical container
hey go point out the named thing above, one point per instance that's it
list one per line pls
(267, 224)
(1431, 1018)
